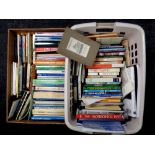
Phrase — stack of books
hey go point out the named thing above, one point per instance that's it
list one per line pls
(48, 86)
(101, 106)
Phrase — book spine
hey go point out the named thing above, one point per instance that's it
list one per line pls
(103, 80)
(99, 66)
(48, 95)
(44, 49)
(103, 95)
(119, 117)
(110, 70)
(58, 63)
(101, 91)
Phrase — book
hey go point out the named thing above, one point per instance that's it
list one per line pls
(125, 43)
(49, 102)
(101, 91)
(109, 40)
(111, 53)
(51, 81)
(48, 110)
(48, 95)
(112, 34)
(110, 58)
(25, 108)
(50, 71)
(109, 70)
(107, 127)
(61, 118)
(103, 95)
(118, 79)
(100, 111)
(49, 88)
(22, 103)
(46, 106)
(99, 66)
(41, 67)
(111, 50)
(39, 34)
(101, 107)
(46, 49)
(118, 117)
(49, 62)
(13, 108)
(102, 76)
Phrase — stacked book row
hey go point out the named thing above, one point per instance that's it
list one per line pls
(101, 106)
(48, 86)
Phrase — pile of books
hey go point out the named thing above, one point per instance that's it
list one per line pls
(101, 106)
(48, 86)
(21, 76)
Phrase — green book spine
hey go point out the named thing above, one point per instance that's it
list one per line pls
(46, 81)
(50, 67)
(102, 87)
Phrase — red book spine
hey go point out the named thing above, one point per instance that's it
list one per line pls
(101, 116)
(99, 66)
(46, 49)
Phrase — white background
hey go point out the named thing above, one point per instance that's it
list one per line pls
(81, 145)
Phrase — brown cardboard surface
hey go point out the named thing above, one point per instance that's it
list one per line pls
(10, 47)
(78, 47)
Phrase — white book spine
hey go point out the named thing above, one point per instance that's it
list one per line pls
(103, 80)
(104, 70)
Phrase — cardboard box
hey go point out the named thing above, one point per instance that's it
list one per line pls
(10, 50)
(78, 47)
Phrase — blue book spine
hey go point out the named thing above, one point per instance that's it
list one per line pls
(47, 118)
(100, 91)
(110, 47)
(101, 83)
(105, 125)
(49, 74)
(103, 95)
(112, 50)
(49, 85)
(48, 99)
(40, 106)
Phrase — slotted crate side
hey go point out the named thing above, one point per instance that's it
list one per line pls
(135, 35)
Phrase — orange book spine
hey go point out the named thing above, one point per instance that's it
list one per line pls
(41, 62)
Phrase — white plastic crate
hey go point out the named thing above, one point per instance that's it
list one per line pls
(136, 36)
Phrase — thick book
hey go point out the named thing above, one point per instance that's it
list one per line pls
(104, 95)
(48, 110)
(100, 66)
(100, 107)
(48, 62)
(105, 70)
(107, 127)
(49, 88)
(118, 117)
(61, 118)
(110, 58)
(103, 80)
(48, 49)
(47, 95)
(53, 81)
(41, 67)
(46, 106)
(101, 87)
(111, 54)
(49, 102)
(102, 91)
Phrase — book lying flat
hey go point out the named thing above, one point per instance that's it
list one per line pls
(48, 95)
(47, 118)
